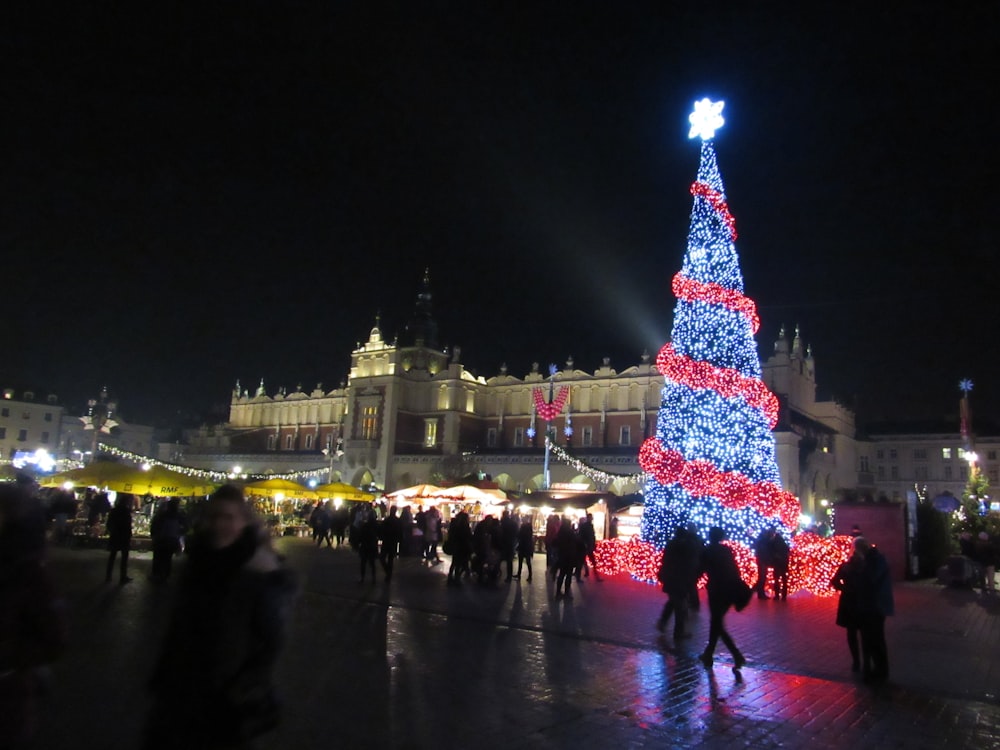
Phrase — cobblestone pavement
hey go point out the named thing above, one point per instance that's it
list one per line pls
(418, 664)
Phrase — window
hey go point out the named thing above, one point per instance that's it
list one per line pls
(880, 454)
(430, 432)
(369, 423)
(625, 435)
(518, 437)
(22, 435)
(25, 414)
(3, 433)
(491, 437)
(289, 442)
(894, 472)
(309, 442)
(994, 475)
(863, 463)
(991, 455)
(588, 437)
(946, 454)
(48, 416)
(45, 437)
(881, 472)
(272, 442)
(963, 473)
(892, 454)
(920, 472)
(919, 454)
(947, 470)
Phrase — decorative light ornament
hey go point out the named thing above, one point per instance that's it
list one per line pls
(965, 385)
(706, 119)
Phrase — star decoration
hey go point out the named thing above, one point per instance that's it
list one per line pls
(965, 385)
(706, 119)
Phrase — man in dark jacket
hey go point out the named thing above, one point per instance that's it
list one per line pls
(392, 535)
(875, 603)
(212, 685)
(719, 564)
(678, 572)
(120, 536)
(508, 542)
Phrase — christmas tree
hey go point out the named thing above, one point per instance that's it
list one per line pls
(712, 460)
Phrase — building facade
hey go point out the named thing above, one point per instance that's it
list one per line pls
(410, 412)
(28, 423)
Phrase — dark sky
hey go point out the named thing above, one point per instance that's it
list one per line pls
(192, 196)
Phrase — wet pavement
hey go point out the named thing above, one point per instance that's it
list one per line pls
(419, 664)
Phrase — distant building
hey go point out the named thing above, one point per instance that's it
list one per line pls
(28, 423)
(410, 410)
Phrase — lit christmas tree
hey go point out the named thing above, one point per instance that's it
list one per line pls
(712, 460)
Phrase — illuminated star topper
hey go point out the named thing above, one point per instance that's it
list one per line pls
(706, 119)
(965, 385)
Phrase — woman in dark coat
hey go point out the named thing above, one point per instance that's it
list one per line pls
(525, 546)
(120, 536)
(848, 580)
(718, 562)
(212, 684)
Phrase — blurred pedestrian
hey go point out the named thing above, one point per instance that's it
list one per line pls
(460, 539)
(552, 525)
(508, 542)
(697, 547)
(613, 528)
(525, 547)
(32, 625)
(166, 531)
(875, 604)
(567, 552)
(212, 684)
(762, 553)
(678, 568)
(725, 587)
(392, 535)
(849, 581)
(588, 537)
(323, 522)
(120, 536)
(779, 554)
(368, 542)
(432, 534)
(984, 552)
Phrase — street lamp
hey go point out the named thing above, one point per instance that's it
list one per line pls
(100, 413)
(333, 454)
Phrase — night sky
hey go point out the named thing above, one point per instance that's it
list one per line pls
(195, 196)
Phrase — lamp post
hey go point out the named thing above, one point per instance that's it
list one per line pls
(333, 454)
(100, 413)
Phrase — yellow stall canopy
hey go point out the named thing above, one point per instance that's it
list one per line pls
(160, 481)
(97, 474)
(339, 490)
(279, 489)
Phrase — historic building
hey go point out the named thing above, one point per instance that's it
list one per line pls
(28, 423)
(410, 410)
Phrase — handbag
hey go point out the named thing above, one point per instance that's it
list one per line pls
(742, 594)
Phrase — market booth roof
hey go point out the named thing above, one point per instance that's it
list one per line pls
(342, 491)
(97, 474)
(160, 481)
(466, 493)
(284, 487)
(417, 491)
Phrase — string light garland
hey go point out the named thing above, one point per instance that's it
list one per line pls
(595, 475)
(727, 382)
(214, 476)
(691, 290)
(717, 201)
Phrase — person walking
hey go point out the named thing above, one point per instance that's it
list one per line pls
(552, 526)
(984, 552)
(762, 552)
(849, 581)
(322, 524)
(32, 623)
(779, 553)
(166, 530)
(392, 535)
(567, 544)
(678, 568)
(875, 604)
(432, 534)
(368, 543)
(212, 684)
(508, 542)
(724, 584)
(460, 538)
(120, 536)
(588, 536)
(525, 547)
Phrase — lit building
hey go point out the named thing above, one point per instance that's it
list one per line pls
(28, 424)
(410, 411)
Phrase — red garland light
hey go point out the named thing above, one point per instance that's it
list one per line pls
(691, 290)
(727, 382)
(548, 411)
(716, 201)
(812, 564)
(703, 479)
